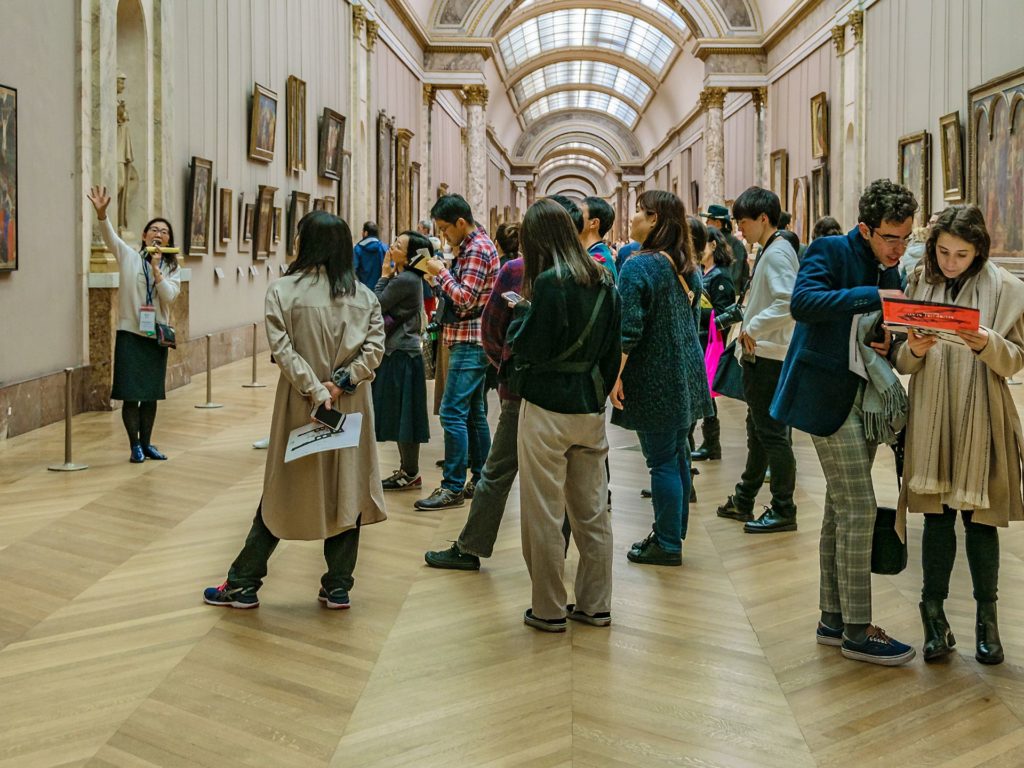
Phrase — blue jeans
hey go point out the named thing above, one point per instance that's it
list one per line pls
(463, 414)
(668, 459)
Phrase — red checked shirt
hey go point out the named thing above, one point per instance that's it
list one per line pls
(469, 287)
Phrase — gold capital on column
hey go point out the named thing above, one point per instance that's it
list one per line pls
(839, 38)
(712, 98)
(475, 95)
(429, 94)
(760, 98)
(371, 33)
(857, 25)
(358, 20)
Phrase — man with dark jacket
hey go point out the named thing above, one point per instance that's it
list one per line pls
(821, 391)
(368, 256)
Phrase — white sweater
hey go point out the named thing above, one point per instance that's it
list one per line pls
(766, 317)
(132, 292)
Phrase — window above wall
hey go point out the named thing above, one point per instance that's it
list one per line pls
(600, 73)
(601, 102)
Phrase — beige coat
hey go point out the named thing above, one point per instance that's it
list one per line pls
(1003, 356)
(310, 335)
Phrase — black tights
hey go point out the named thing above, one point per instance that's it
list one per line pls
(410, 453)
(938, 551)
(138, 421)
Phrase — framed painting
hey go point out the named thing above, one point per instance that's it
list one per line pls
(197, 208)
(995, 124)
(694, 198)
(318, 204)
(332, 144)
(819, 192)
(951, 146)
(8, 178)
(276, 230)
(414, 191)
(385, 174)
(345, 187)
(263, 123)
(819, 126)
(778, 167)
(403, 198)
(225, 203)
(798, 208)
(246, 214)
(296, 130)
(298, 207)
(263, 223)
(329, 203)
(913, 171)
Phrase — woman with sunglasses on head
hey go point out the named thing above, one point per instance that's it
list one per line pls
(149, 284)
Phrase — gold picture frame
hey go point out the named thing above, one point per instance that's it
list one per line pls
(295, 157)
(778, 174)
(819, 126)
(331, 144)
(246, 213)
(263, 221)
(197, 213)
(952, 148)
(798, 208)
(913, 171)
(298, 207)
(263, 123)
(819, 193)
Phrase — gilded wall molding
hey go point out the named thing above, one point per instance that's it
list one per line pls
(712, 98)
(372, 29)
(857, 25)
(358, 20)
(839, 38)
(475, 95)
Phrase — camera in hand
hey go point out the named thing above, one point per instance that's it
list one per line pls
(729, 317)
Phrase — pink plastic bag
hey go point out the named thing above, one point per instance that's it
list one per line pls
(715, 348)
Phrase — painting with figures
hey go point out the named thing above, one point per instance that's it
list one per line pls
(8, 178)
(913, 171)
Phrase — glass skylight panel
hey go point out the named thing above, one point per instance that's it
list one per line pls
(582, 73)
(572, 162)
(659, 7)
(601, 102)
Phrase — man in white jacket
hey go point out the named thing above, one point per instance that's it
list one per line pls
(764, 338)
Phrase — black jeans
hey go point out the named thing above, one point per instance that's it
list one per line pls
(938, 552)
(768, 441)
(250, 567)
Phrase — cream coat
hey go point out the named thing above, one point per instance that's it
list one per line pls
(310, 335)
(1003, 356)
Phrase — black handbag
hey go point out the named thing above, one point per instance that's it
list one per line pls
(888, 553)
(729, 376)
(165, 336)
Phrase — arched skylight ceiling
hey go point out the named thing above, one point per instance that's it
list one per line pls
(582, 73)
(657, 6)
(578, 27)
(596, 100)
(574, 161)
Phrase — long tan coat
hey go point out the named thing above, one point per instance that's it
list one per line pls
(311, 335)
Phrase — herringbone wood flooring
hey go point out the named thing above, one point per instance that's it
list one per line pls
(109, 658)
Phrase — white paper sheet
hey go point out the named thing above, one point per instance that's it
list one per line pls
(316, 438)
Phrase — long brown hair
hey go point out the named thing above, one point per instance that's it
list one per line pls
(966, 222)
(548, 239)
(671, 233)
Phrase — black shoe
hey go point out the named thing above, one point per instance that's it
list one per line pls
(771, 522)
(600, 619)
(441, 498)
(439, 463)
(400, 481)
(650, 553)
(693, 491)
(731, 511)
(646, 494)
(452, 558)
(938, 638)
(988, 649)
(544, 625)
(705, 453)
(137, 456)
(152, 453)
(469, 489)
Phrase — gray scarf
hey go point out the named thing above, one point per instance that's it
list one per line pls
(885, 399)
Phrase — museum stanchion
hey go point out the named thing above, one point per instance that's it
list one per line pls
(68, 465)
(254, 383)
(209, 379)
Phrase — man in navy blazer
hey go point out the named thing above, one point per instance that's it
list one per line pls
(821, 391)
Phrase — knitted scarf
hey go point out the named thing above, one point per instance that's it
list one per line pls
(885, 401)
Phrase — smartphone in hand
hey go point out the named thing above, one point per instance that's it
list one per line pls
(329, 418)
(513, 298)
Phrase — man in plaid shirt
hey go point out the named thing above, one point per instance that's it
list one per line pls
(466, 288)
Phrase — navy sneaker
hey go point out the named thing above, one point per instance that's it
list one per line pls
(137, 456)
(335, 600)
(152, 453)
(878, 648)
(825, 635)
(599, 619)
(232, 597)
(544, 625)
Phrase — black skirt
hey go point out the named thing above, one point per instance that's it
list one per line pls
(400, 399)
(140, 368)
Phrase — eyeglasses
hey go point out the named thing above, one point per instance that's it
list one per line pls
(159, 231)
(893, 239)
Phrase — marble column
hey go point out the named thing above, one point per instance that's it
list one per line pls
(531, 194)
(760, 98)
(633, 194)
(371, 126)
(102, 75)
(426, 147)
(848, 172)
(476, 150)
(712, 101)
(360, 193)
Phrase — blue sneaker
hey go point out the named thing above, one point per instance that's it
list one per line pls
(232, 597)
(878, 648)
(828, 636)
(336, 599)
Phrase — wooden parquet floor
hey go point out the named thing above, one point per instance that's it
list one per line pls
(108, 657)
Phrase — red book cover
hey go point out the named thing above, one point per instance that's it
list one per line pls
(929, 317)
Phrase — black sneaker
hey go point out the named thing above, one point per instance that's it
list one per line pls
(335, 600)
(469, 489)
(731, 511)
(439, 463)
(705, 454)
(231, 597)
(599, 619)
(400, 481)
(878, 648)
(441, 498)
(771, 521)
(825, 635)
(650, 552)
(544, 625)
(453, 559)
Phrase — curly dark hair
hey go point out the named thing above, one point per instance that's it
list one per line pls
(966, 222)
(885, 200)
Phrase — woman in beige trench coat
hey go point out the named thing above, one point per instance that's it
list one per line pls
(964, 442)
(320, 320)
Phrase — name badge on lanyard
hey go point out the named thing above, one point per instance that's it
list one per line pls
(147, 312)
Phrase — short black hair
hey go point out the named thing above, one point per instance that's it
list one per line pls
(754, 201)
(598, 208)
(371, 229)
(451, 208)
(572, 209)
(698, 235)
(884, 200)
(784, 219)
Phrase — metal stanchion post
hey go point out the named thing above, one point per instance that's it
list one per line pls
(254, 383)
(68, 465)
(209, 379)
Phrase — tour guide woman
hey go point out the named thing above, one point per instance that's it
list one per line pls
(148, 287)
(320, 321)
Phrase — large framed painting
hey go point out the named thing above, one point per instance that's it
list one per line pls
(8, 178)
(819, 126)
(225, 207)
(951, 146)
(913, 171)
(298, 206)
(197, 208)
(996, 167)
(778, 167)
(403, 200)
(296, 138)
(385, 174)
(345, 188)
(263, 223)
(819, 192)
(263, 123)
(332, 144)
(414, 191)
(246, 214)
(798, 208)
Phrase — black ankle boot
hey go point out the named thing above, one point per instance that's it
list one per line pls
(938, 638)
(989, 649)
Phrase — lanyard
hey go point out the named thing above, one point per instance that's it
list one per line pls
(149, 288)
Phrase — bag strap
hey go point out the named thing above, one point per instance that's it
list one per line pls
(578, 344)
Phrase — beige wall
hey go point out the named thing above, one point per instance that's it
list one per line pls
(448, 154)
(739, 141)
(41, 304)
(398, 92)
